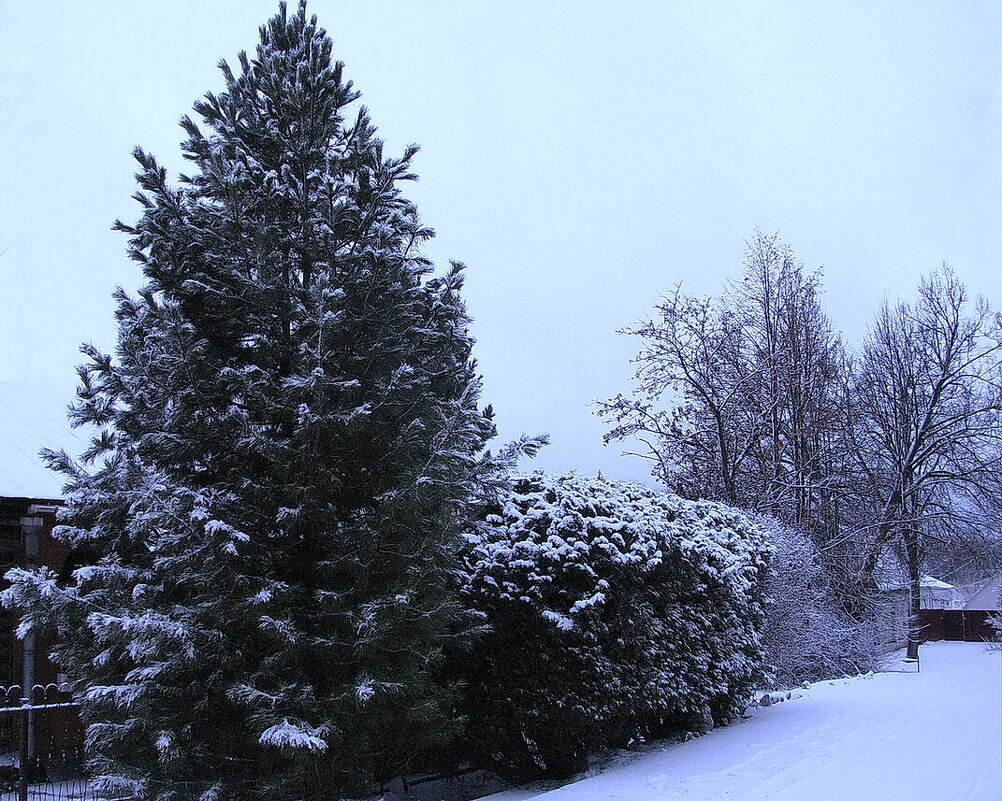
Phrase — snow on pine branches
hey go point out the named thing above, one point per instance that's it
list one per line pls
(615, 611)
(288, 436)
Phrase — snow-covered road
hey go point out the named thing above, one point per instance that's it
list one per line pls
(929, 736)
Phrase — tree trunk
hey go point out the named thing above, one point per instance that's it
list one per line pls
(914, 591)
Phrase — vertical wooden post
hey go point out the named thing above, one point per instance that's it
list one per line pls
(22, 788)
(31, 530)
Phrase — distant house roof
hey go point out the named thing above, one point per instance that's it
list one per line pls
(987, 598)
(935, 583)
(33, 417)
(934, 593)
(890, 573)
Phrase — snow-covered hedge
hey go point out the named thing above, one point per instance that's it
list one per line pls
(615, 611)
(808, 636)
(995, 621)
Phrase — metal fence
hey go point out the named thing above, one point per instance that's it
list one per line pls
(41, 746)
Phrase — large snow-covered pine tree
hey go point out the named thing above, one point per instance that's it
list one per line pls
(287, 437)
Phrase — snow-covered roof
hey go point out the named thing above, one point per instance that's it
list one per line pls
(891, 575)
(33, 417)
(935, 583)
(987, 597)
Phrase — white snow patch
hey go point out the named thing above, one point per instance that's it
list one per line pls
(288, 735)
(934, 734)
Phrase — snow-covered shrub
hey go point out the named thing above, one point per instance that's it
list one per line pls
(615, 611)
(808, 636)
(995, 621)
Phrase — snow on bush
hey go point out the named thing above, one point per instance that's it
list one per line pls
(995, 622)
(995, 644)
(807, 634)
(614, 612)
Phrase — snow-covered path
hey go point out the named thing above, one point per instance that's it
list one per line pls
(930, 736)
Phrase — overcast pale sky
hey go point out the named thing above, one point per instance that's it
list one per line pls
(579, 157)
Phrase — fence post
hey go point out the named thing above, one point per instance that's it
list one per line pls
(22, 785)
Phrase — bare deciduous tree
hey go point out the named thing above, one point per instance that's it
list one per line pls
(927, 435)
(690, 409)
(738, 398)
(750, 398)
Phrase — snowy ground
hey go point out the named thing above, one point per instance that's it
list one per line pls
(929, 736)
